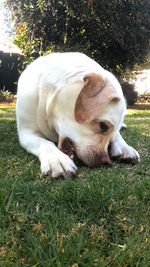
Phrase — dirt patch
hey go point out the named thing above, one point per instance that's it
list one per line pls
(8, 103)
(140, 106)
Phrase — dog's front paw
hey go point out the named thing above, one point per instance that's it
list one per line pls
(57, 165)
(124, 153)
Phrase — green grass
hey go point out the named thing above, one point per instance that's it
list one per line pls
(100, 218)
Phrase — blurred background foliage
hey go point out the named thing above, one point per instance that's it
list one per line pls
(116, 33)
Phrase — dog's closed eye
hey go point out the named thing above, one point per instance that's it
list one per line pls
(105, 127)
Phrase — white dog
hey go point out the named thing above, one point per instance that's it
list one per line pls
(69, 99)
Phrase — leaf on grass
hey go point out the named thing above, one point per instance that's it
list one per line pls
(3, 250)
(37, 227)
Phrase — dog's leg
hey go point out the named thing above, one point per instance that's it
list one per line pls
(53, 161)
(121, 151)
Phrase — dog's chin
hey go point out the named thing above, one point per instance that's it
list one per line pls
(91, 158)
(95, 159)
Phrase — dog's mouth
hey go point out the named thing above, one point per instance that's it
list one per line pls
(68, 147)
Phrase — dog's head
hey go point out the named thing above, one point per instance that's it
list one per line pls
(87, 115)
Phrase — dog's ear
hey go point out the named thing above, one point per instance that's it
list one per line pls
(93, 98)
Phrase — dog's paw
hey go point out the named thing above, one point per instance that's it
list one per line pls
(57, 165)
(124, 153)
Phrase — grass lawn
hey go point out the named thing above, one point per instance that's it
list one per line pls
(100, 218)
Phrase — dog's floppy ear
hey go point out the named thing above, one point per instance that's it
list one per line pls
(93, 98)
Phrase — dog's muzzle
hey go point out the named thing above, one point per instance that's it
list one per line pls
(90, 157)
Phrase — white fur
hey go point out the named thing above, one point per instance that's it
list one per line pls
(47, 92)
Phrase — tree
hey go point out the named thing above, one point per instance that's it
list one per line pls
(115, 33)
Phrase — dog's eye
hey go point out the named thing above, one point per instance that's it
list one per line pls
(105, 126)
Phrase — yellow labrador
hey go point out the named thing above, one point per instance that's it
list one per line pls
(69, 99)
